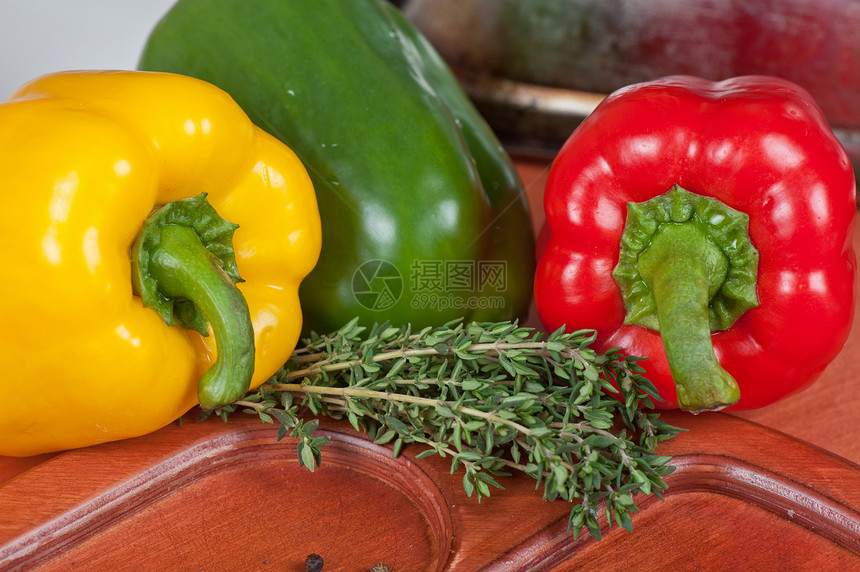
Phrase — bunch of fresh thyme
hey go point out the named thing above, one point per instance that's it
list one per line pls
(494, 397)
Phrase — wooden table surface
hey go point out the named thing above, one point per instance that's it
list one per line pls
(774, 489)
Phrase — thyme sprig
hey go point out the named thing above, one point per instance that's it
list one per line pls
(494, 397)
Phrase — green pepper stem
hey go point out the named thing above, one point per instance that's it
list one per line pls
(684, 269)
(185, 269)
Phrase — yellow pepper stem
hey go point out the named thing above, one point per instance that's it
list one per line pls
(184, 268)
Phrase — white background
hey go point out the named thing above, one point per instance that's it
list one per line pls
(43, 36)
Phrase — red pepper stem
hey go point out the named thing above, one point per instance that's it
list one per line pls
(684, 270)
(185, 269)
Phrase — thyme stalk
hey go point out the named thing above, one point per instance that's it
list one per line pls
(494, 397)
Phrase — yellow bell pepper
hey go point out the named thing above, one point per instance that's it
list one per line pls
(85, 159)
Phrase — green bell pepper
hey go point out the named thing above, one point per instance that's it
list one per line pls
(424, 216)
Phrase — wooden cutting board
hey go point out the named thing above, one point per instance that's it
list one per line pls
(216, 496)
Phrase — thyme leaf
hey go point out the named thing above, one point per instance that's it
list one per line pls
(492, 397)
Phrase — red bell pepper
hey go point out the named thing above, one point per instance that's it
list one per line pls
(708, 227)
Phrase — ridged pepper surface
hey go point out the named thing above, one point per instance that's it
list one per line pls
(708, 227)
(113, 183)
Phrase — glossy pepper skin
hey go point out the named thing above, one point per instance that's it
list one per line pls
(758, 145)
(425, 218)
(86, 157)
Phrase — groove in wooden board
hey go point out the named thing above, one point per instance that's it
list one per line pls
(733, 487)
(693, 531)
(87, 533)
